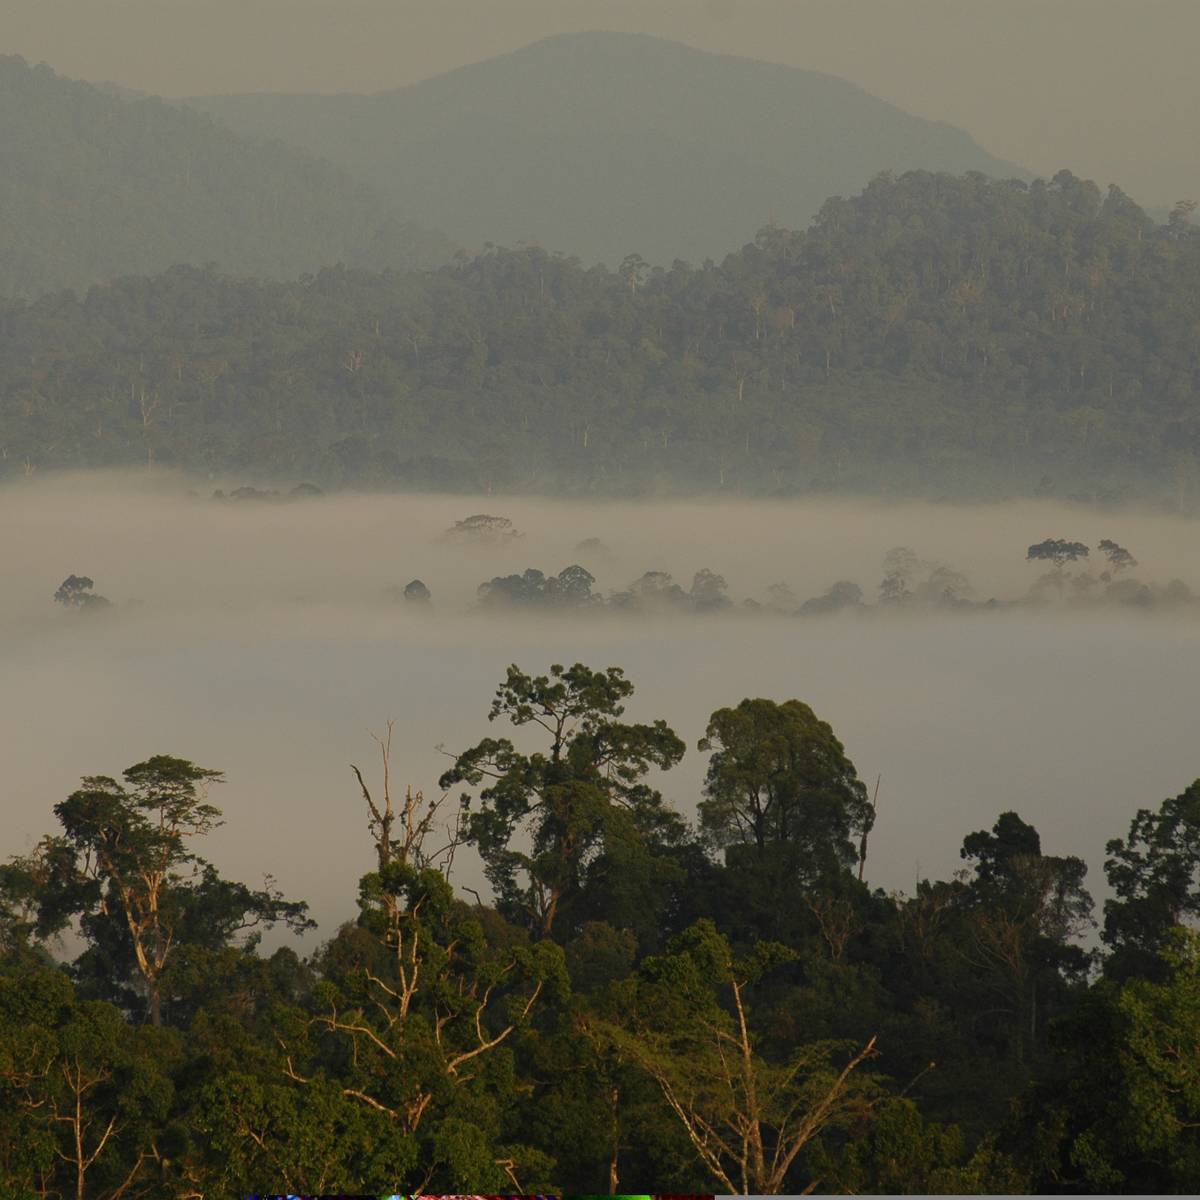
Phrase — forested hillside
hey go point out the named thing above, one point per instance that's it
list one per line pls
(635, 1006)
(932, 335)
(599, 144)
(94, 183)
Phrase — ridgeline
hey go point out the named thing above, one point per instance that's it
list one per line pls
(96, 182)
(934, 335)
(602, 143)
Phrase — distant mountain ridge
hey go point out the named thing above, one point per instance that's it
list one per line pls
(95, 183)
(603, 144)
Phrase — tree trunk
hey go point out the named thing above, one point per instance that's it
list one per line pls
(77, 1129)
(613, 1180)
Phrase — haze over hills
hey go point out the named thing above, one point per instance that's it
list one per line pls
(95, 183)
(934, 335)
(603, 144)
(552, 612)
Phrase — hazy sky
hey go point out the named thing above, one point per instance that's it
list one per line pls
(1108, 88)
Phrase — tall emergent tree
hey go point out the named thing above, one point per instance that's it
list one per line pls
(1119, 559)
(1058, 552)
(585, 791)
(124, 865)
(779, 780)
(785, 804)
(76, 592)
(1024, 909)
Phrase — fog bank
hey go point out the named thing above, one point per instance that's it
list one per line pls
(255, 637)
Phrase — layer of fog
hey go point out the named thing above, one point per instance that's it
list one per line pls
(256, 638)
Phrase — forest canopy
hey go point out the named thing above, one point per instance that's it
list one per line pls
(932, 335)
(726, 1005)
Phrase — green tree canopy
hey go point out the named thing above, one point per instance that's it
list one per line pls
(779, 778)
(685, 1021)
(1126, 1115)
(125, 866)
(930, 335)
(1155, 875)
(586, 791)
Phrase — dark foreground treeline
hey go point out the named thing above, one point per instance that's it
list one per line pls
(725, 1007)
(932, 335)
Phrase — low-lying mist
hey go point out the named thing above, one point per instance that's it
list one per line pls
(266, 638)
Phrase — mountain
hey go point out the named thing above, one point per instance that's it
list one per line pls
(603, 144)
(934, 335)
(96, 183)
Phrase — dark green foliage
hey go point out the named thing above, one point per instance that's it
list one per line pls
(779, 778)
(124, 868)
(900, 1152)
(1155, 875)
(1014, 876)
(413, 1015)
(1125, 1117)
(1026, 908)
(632, 1012)
(932, 335)
(685, 1020)
(585, 795)
(96, 186)
(84, 1096)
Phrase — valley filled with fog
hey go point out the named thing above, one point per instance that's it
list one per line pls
(586, 613)
(267, 637)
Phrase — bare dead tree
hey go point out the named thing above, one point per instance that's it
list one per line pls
(385, 1029)
(431, 1002)
(747, 1119)
(417, 819)
(837, 921)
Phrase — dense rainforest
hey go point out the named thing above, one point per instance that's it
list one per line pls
(933, 335)
(721, 1005)
(96, 183)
